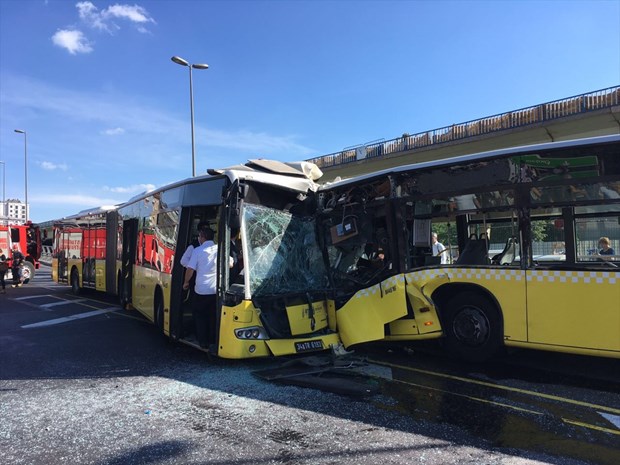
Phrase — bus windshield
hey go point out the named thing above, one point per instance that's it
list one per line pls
(283, 253)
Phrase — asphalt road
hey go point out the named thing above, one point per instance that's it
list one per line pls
(84, 382)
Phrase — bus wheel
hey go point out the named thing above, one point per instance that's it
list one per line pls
(75, 282)
(120, 289)
(472, 327)
(159, 312)
(27, 272)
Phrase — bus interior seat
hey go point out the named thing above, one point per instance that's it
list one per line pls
(475, 252)
(506, 256)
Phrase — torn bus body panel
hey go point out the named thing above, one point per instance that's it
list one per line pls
(364, 316)
(420, 288)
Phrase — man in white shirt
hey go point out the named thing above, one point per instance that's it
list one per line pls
(203, 262)
(438, 250)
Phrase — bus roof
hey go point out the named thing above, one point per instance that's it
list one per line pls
(471, 158)
(294, 176)
(90, 211)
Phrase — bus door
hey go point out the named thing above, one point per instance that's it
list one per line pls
(128, 257)
(179, 300)
(181, 319)
(110, 231)
(88, 254)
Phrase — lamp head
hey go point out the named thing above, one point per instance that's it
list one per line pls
(179, 61)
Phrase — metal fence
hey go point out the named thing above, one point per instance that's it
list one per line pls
(579, 104)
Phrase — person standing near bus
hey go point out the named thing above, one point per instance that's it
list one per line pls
(4, 267)
(203, 263)
(18, 259)
(439, 250)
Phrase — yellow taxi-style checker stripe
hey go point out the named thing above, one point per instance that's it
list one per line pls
(572, 277)
(551, 276)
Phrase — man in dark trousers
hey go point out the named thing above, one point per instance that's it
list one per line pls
(203, 263)
(18, 259)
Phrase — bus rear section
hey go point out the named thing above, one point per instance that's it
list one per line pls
(84, 250)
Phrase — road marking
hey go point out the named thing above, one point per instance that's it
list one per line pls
(34, 297)
(77, 316)
(64, 302)
(614, 419)
(505, 388)
(588, 425)
(478, 399)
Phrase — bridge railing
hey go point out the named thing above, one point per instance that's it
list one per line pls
(600, 99)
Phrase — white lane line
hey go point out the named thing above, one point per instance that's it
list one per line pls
(614, 419)
(64, 302)
(78, 316)
(35, 297)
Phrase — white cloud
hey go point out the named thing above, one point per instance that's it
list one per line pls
(91, 16)
(134, 13)
(49, 166)
(135, 189)
(103, 19)
(113, 132)
(73, 40)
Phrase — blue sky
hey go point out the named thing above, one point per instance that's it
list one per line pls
(107, 112)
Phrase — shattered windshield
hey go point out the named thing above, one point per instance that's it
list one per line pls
(283, 253)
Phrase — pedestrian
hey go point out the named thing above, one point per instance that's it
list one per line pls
(203, 263)
(439, 250)
(16, 264)
(4, 267)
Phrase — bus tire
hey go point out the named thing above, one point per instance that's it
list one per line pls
(120, 290)
(27, 272)
(472, 327)
(158, 311)
(75, 282)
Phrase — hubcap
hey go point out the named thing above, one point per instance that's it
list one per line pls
(471, 326)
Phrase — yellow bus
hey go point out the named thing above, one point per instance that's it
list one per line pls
(276, 299)
(82, 250)
(519, 263)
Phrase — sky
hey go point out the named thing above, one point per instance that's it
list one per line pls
(107, 113)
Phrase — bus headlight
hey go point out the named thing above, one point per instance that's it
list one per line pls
(251, 333)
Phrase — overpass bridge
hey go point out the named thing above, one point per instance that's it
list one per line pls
(593, 114)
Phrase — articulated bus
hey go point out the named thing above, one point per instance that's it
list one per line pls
(276, 299)
(521, 229)
(83, 250)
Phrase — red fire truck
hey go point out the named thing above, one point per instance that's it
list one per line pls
(28, 239)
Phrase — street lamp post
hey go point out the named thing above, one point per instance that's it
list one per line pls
(21, 131)
(180, 61)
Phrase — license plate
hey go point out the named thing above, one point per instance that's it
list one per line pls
(308, 346)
